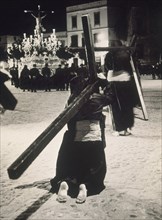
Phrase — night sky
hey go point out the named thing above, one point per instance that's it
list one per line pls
(14, 21)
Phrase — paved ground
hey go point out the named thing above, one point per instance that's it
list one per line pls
(133, 180)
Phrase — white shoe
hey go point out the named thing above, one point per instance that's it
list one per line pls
(129, 130)
(124, 133)
(81, 198)
(62, 193)
(115, 133)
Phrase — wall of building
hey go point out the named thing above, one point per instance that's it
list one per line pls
(7, 40)
(99, 31)
(90, 12)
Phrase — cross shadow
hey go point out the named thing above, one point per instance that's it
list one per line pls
(44, 184)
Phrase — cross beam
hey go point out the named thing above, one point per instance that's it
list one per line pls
(104, 48)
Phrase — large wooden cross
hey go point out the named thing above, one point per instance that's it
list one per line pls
(18, 167)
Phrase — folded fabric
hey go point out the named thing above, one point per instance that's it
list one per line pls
(119, 76)
(88, 130)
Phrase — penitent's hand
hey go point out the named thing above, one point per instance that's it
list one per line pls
(124, 77)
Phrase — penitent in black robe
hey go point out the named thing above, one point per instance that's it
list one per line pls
(83, 161)
(125, 92)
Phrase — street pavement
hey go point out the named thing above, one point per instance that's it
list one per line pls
(133, 179)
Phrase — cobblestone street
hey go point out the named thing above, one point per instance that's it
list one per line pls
(133, 180)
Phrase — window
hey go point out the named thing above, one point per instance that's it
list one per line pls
(98, 61)
(74, 21)
(95, 37)
(96, 18)
(83, 40)
(74, 41)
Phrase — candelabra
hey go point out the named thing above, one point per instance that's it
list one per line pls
(37, 44)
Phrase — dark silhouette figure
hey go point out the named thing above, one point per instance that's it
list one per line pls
(25, 78)
(34, 76)
(46, 73)
(15, 77)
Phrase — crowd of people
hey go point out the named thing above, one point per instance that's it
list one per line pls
(46, 79)
(151, 69)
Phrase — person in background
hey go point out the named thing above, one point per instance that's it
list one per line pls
(81, 164)
(73, 72)
(34, 76)
(82, 71)
(7, 99)
(15, 77)
(25, 78)
(66, 76)
(57, 77)
(120, 77)
(46, 73)
(158, 70)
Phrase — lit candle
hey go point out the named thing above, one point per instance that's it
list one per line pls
(24, 35)
(53, 31)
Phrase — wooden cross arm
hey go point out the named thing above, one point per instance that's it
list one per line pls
(29, 155)
(105, 48)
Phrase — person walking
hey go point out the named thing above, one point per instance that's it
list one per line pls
(120, 77)
(81, 164)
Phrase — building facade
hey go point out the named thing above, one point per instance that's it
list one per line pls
(7, 40)
(119, 21)
(97, 12)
